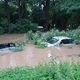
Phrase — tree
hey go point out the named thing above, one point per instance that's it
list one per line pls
(7, 11)
(60, 13)
(47, 14)
(38, 10)
(19, 6)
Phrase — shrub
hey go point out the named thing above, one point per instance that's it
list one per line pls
(29, 36)
(38, 34)
(24, 26)
(43, 71)
(4, 24)
(1, 30)
(34, 37)
(17, 49)
(19, 46)
(74, 34)
(38, 38)
(41, 46)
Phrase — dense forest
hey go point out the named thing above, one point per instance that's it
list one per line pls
(20, 16)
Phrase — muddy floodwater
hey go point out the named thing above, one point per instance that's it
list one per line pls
(32, 55)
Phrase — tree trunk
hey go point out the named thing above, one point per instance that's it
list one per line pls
(24, 15)
(63, 23)
(19, 11)
(47, 14)
(56, 21)
(7, 11)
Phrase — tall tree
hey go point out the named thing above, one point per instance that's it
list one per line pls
(7, 11)
(47, 14)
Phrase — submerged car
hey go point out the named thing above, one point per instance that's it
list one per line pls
(57, 40)
(7, 46)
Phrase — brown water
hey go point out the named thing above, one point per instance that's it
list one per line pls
(32, 55)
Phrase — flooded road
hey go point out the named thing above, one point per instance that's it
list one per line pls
(32, 55)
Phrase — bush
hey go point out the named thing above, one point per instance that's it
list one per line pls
(19, 46)
(4, 24)
(30, 36)
(24, 26)
(74, 34)
(17, 49)
(1, 30)
(78, 27)
(43, 71)
(38, 38)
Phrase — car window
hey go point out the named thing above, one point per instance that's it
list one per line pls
(67, 41)
(71, 41)
(52, 41)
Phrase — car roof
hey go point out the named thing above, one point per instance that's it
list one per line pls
(61, 37)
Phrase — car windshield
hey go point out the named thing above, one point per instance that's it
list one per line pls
(52, 41)
(67, 41)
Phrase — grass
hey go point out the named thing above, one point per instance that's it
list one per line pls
(43, 71)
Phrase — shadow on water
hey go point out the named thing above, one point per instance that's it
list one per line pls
(32, 55)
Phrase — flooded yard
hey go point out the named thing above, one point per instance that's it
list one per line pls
(32, 55)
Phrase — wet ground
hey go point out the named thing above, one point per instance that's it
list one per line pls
(32, 55)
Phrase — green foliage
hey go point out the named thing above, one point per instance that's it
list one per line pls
(35, 40)
(1, 30)
(17, 49)
(30, 36)
(78, 55)
(19, 46)
(78, 27)
(38, 34)
(66, 11)
(43, 71)
(74, 34)
(69, 47)
(38, 38)
(38, 15)
(16, 37)
(63, 11)
(2, 11)
(61, 45)
(4, 24)
(41, 46)
(20, 43)
(23, 26)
